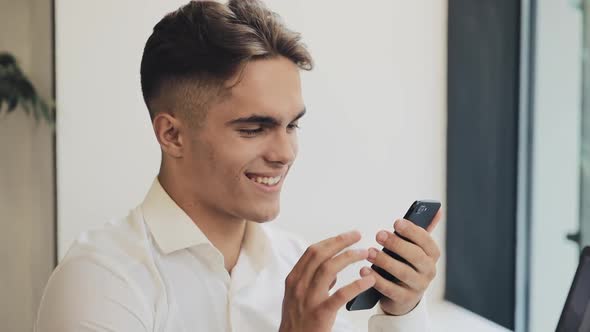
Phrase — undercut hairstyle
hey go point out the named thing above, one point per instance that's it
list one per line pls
(194, 51)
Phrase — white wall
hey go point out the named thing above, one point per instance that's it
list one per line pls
(373, 139)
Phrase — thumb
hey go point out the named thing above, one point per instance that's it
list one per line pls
(435, 221)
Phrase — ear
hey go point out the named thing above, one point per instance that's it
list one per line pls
(167, 130)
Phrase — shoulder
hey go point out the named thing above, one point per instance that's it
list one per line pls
(102, 273)
(121, 240)
(119, 252)
(86, 291)
(120, 247)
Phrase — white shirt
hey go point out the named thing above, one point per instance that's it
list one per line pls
(156, 271)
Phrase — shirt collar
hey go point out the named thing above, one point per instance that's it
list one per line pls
(170, 226)
(256, 244)
(173, 230)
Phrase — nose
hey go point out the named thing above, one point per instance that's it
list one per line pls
(282, 148)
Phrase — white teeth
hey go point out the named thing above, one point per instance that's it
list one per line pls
(267, 181)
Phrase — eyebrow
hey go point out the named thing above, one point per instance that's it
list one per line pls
(262, 119)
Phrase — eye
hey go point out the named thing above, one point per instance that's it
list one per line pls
(251, 132)
(294, 126)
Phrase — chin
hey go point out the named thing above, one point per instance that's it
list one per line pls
(263, 216)
(260, 221)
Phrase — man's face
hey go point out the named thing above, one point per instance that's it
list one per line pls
(247, 138)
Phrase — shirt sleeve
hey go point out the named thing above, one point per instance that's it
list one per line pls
(416, 320)
(85, 295)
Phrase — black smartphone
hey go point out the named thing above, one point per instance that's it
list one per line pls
(420, 213)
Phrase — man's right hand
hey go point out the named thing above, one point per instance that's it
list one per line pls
(307, 305)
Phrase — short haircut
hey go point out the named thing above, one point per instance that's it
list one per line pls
(193, 51)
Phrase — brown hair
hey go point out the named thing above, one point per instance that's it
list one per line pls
(194, 50)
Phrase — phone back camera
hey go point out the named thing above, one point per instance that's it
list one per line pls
(421, 209)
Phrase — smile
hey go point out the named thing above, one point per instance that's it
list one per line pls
(264, 180)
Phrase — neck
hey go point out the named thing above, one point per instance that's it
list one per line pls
(223, 231)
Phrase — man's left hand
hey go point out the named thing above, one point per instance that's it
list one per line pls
(423, 254)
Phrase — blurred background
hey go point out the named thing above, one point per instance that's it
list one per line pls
(483, 105)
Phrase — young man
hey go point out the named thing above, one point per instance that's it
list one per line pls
(221, 82)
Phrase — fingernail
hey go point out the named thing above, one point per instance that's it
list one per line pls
(372, 253)
(382, 236)
(352, 233)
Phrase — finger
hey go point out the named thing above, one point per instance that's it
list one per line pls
(298, 279)
(317, 253)
(326, 272)
(400, 270)
(347, 293)
(333, 283)
(407, 250)
(395, 292)
(419, 236)
(313, 250)
(435, 221)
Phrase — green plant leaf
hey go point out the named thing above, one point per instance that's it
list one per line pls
(35, 110)
(16, 89)
(26, 107)
(12, 102)
(44, 110)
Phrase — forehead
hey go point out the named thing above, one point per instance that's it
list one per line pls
(267, 86)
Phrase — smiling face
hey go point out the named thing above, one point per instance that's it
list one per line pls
(235, 163)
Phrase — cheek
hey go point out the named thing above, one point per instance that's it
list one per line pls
(232, 161)
(205, 159)
(203, 153)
